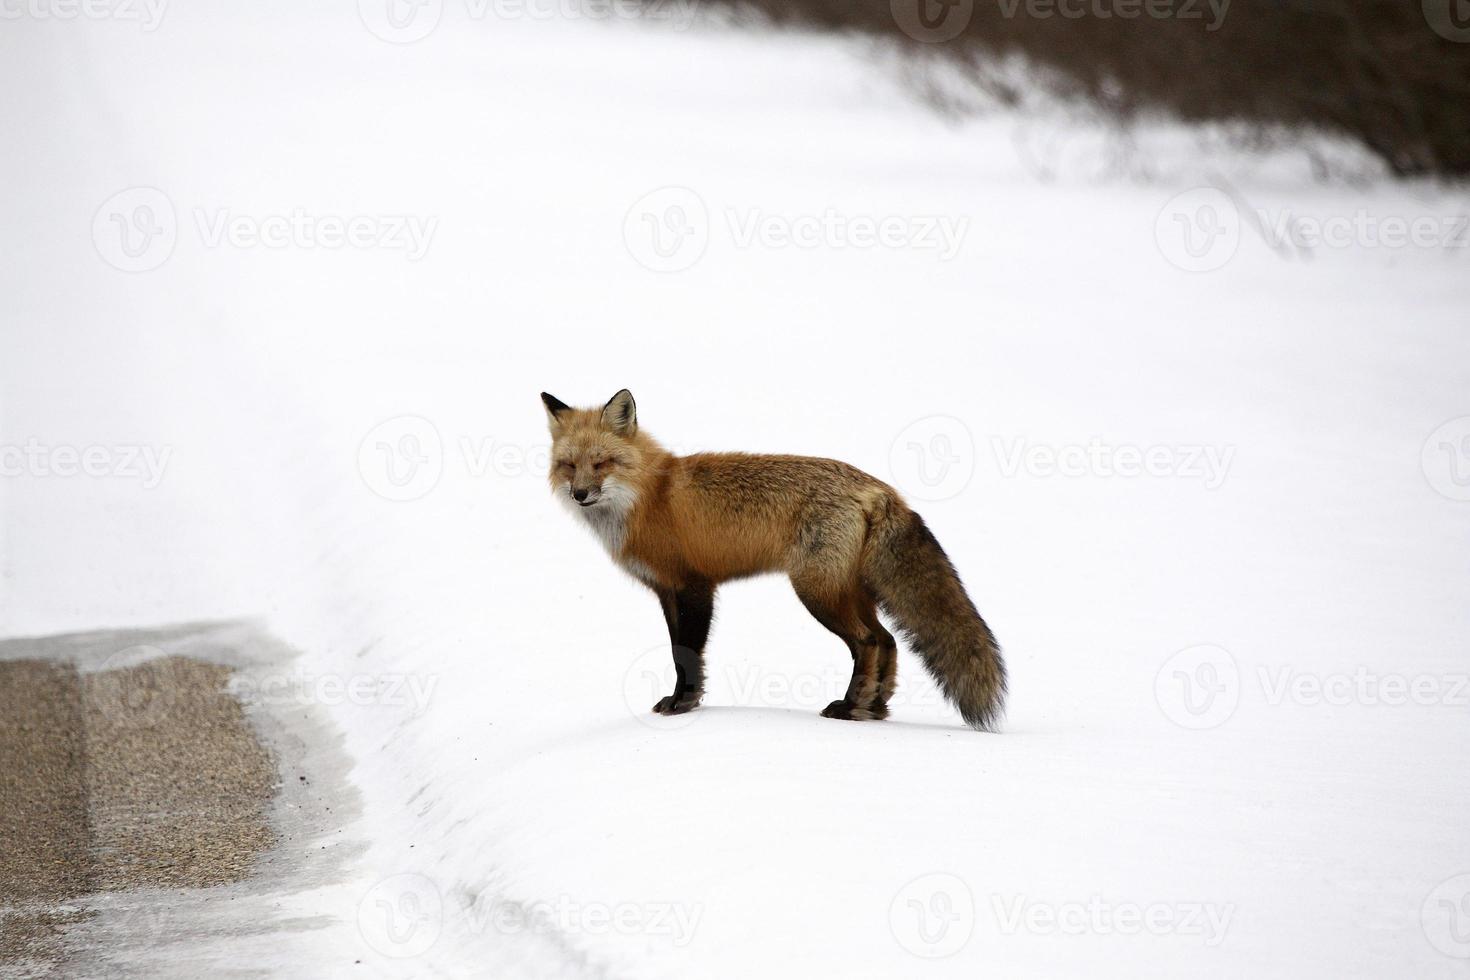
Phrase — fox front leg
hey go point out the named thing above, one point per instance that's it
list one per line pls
(688, 612)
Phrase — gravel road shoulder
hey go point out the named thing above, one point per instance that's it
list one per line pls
(158, 817)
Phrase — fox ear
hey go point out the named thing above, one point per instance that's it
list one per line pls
(620, 414)
(554, 407)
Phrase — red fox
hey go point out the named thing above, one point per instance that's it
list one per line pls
(682, 525)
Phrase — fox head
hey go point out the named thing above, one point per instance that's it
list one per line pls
(595, 452)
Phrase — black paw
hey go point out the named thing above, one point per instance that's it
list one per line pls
(847, 711)
(668, 706)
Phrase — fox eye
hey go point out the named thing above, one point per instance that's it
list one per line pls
(602, 464)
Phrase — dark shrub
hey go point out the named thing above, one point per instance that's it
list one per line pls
(1389, 73)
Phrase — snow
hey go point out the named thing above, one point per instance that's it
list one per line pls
(526, 815)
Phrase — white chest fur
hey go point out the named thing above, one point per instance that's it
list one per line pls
(608, 521)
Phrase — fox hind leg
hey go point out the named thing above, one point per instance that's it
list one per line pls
(887, 649)
(843, 612)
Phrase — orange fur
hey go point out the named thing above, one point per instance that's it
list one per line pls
(685, 524)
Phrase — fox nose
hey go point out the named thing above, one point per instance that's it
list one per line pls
(580, 495)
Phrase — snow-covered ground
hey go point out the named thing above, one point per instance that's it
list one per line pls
(1208, 486)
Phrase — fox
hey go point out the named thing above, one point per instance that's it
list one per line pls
(685, 525)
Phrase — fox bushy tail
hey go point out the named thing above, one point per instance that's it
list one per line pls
(909, 573)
